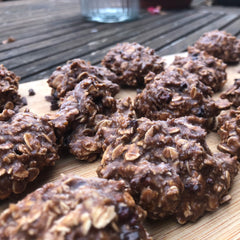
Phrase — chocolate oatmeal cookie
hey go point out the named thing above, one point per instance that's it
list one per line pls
(27, 145)
(168, 167)
(210, 70)
(175, 93)
(221, 45)
(83, 142)
(81, 110)
(9, 97)
(89, 98)
(229, 132)
(86, 142)
(233, 93)
(75, 208)
(131, 62)
(65, 78)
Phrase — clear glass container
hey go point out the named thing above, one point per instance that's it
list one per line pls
(110, 11)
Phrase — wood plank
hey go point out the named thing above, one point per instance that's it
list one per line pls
(62, 34)
(54, 29)
(172, 26)
(163, 37)
(15, 18)
(182, 44)
(51, 25)
(10, 12)
(61, 30)
(233, 27)
(73, 40)
(68, 35)
(222, 224)
(32, 21)
(197, 3)
(85, 49)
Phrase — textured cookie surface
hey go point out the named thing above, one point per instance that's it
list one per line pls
(86, 142)
(27, 144)
(175, 93)
(131, 62)
(168, 166)
(210, 70)
(89, 97)
(229, 132)
(65, 78)
(233, 93)
(221, 45)
(75, 208)
(9, 97)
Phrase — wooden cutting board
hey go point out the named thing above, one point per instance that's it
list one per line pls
(221, 224)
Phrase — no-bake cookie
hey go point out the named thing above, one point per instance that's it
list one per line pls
(65, 78)
(210, 70)
(89, 98)
(27, 145)
(86, 142)
(175, 93)
(75, 208)
(229, 132)
(9, 97)
(168, 167)
(221, 45)
(80, 111)
(233, 93)
(131, 62)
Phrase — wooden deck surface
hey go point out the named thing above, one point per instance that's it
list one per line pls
(48, 33)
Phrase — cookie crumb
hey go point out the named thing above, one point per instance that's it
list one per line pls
(54, 102)
(24, 101)
(9, 40)
(31, 92)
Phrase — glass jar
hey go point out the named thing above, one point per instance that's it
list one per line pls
(109, 11)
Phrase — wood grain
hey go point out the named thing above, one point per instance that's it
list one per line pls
(222, 224)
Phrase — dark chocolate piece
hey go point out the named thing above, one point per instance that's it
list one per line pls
(53, 101)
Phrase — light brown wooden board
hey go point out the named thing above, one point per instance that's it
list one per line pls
(221, 224)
